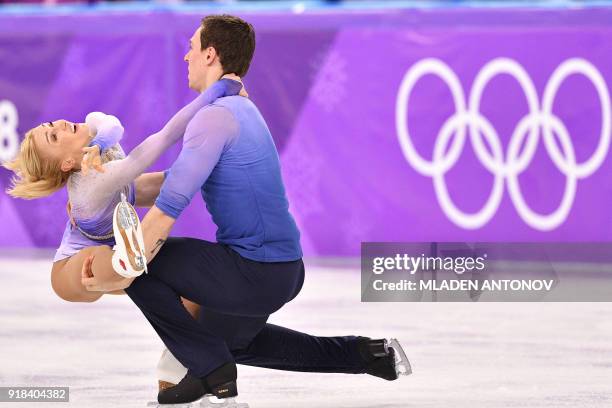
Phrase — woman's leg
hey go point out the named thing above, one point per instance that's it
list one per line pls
(102, 268)
(192, 308)
(169, 370)
(66, 275)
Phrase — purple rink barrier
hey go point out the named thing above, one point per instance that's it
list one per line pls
(441, 124)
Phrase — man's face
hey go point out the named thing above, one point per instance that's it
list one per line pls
(197, 64)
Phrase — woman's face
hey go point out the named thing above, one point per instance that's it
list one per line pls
(62, 141)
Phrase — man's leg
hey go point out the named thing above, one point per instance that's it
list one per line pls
(254, 342)
(236, 297)
(215, 277)
(245, 292)
(285, 349)
(189, 341)
(280, 348)
(218, 278)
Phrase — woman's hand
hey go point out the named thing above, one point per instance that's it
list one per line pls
(91, 158)
(235, 77)
(89, 281)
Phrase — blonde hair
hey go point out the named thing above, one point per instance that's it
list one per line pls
(34, 177)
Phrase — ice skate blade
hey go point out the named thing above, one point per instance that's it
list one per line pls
(156, 404)
(126, 217)
(139, 261)
(402, 365)
(213, 402)
(205, 402)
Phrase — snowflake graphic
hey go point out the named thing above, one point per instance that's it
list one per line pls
(331, 80)
(302, 173)
(150, 97)
(74, 67)
(356, 229)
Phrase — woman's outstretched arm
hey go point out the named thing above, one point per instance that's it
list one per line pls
(119, 173)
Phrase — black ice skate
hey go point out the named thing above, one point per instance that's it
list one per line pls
(384, 359)
(221, 384)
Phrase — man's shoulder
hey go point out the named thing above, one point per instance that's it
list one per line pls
(220, 119)
(234, 110)
(214, 109)
(233, 103)
(225, 105)
(241, 107)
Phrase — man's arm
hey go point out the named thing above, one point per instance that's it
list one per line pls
(210, 132)
(156, 227)
(147, 188)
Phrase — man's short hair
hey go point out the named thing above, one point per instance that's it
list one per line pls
(232, 38)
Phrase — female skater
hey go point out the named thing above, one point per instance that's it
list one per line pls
(51, 157)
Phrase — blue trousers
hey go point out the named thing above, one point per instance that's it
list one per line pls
(237, 295)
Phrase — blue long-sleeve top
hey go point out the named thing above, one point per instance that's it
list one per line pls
(229, 155)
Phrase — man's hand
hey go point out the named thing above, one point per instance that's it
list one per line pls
(91, 158)
(92, 284)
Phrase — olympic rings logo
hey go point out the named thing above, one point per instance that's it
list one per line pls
(469, 121)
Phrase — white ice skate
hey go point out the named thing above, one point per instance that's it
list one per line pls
(402, 365)
(156, 404)
(128, 258)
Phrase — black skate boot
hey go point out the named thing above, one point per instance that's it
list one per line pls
(221, 383)
(384, 359)
(189, 389)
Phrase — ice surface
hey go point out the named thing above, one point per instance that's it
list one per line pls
(463, 355)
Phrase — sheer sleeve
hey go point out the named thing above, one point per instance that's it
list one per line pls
(210, 133)
(119, 173)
